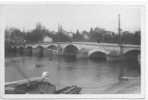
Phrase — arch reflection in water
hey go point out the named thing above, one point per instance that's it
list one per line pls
(70, 51)
(132, 55)
(98, 56)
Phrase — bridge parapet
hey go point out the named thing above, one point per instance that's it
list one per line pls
(88, 48)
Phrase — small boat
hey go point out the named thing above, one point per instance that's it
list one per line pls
(39, 85)
(69, 90)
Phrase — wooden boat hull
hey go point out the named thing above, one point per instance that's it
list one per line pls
(38, 86)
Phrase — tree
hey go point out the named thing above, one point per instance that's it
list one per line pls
(137, 37)
(96, 35)
(61, 37)
(37, 34)
(77, 36)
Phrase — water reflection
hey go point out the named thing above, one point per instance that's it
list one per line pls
(92, 76)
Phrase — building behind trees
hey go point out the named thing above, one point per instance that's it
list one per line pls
(14, 36)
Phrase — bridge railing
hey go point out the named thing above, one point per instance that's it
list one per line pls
(87, 43)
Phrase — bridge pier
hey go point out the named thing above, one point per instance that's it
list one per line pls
(81, 55)
(115, 58)
(123, 58)
(45, 52)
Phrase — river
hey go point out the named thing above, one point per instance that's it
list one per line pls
(93, 77)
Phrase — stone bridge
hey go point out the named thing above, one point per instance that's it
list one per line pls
(107, 51)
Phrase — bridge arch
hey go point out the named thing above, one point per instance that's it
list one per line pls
(125, 50)
(97, 54)
(52, 47)
(70, 50)
(132, 55)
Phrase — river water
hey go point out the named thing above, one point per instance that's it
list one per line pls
(92, 76)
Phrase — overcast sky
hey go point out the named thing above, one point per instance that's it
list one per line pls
(71, 17)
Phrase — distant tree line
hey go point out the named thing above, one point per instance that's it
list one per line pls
(14, 36)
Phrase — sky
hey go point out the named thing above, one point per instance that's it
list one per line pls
(71, 17)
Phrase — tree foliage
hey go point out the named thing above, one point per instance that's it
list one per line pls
(16, 36)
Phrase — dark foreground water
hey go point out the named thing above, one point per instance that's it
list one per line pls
(92, 76)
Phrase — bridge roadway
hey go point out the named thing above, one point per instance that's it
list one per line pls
(85, 49)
